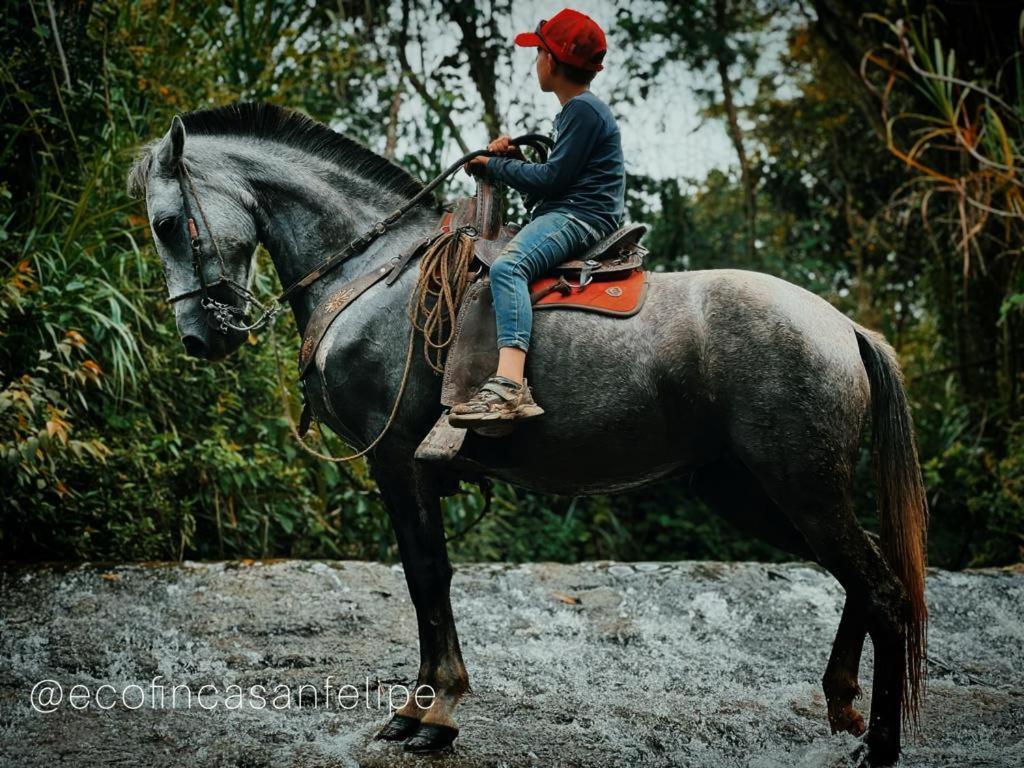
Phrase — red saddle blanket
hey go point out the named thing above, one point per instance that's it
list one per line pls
(620, 296)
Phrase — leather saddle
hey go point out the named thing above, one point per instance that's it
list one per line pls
(611, 256)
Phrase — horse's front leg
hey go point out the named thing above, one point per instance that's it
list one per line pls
(410, 493)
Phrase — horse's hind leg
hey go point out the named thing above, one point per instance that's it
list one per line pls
(863, 571)
(729, 488)
(840, 679)
(411, 495)
(842, 546)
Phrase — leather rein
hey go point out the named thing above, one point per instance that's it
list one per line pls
(234, 318)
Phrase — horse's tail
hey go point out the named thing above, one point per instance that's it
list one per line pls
(902, 504)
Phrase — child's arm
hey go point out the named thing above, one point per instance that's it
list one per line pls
(579, 133)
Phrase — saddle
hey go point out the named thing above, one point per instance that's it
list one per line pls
(612, 255)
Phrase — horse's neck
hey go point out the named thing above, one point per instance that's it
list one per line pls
(300, 231)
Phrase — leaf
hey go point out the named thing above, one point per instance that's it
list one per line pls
(76, 339)
(92, 370)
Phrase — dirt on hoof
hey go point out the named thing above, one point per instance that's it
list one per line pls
(598, 664)
(849, 720)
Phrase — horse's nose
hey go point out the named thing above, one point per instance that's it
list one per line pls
(194, 346)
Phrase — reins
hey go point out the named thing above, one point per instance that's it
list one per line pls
(294, 428)
(225, 313)
(443, 277)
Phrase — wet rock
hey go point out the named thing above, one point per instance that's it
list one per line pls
(597, 664)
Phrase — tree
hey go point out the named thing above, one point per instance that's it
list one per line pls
(715, 38)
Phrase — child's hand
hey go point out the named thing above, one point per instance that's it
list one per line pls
(503, 146)
(475, 167)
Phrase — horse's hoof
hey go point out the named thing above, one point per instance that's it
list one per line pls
(883, 750)
(848, 720)
(431, 738)
(397, 728)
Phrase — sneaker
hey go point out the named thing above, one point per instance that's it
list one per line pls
(498, 399)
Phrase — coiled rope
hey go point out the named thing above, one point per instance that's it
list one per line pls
(443, 280)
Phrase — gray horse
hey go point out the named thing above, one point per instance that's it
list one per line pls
(750, 388)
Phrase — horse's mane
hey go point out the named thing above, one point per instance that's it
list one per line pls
(269, 121)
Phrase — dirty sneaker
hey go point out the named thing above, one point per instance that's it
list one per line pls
(498, 399)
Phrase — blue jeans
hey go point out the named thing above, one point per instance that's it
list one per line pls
(549, 239)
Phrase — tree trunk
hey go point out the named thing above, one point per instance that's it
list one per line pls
(481, 54)
(392, 134)
(736, 136)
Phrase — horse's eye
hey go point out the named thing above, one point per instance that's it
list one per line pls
(165, 227)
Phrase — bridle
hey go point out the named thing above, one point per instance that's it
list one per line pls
(226, 314)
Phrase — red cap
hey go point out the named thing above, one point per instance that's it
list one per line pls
(571, 37)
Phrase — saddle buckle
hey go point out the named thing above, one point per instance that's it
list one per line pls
(585, 277)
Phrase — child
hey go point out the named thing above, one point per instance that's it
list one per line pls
(581, 195)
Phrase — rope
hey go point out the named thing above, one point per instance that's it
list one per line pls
(486, 488)
(443, 279)
(294, 428)
(443, 275)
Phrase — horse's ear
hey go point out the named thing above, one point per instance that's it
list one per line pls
(173, 144)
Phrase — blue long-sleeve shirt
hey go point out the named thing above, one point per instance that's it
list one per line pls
(585, 173)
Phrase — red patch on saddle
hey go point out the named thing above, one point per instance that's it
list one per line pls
(619, 296)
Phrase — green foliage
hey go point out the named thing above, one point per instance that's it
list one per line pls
(114, 445)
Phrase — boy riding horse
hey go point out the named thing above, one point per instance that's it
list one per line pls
(581, 195)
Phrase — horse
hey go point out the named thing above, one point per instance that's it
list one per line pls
(749, 388)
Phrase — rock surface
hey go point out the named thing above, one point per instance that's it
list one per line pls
(599, 664)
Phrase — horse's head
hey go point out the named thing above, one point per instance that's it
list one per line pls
(193, 199)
